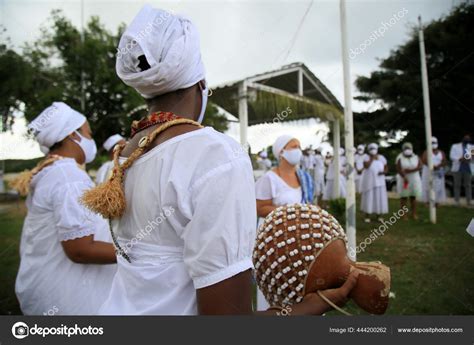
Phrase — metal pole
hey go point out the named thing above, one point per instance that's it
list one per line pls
(243, 114)
(426, 106)
(348, 138)
(335, 157)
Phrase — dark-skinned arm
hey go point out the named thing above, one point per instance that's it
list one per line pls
(85, 250)
(233, 296)
(264, 207)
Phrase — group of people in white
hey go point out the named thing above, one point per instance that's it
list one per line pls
(197, 259)
(370, 171)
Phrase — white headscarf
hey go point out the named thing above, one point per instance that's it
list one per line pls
(170, 44)
(280, 143)
(373, 146)
(112, 141)
(54, 124)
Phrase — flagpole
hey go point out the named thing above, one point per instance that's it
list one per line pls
(428, 134)
(348, 138)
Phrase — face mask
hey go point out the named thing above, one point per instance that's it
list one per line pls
(373, 152)
(88, 146)
(205, 93)
(359, 151)
(292, 156)
(408, 152)
(434, 145)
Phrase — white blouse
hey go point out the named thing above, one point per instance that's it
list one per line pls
(189, 223)
(272, 187)
(47, 279)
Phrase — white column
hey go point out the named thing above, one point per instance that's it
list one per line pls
(336, 145)
(300, 82)
(426, 106)
(243, 114)
(348, 138)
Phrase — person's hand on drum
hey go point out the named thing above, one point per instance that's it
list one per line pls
(338, 296)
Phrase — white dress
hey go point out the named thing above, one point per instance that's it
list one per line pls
(318, 175)
(359, 164)
(104, 172)
(438, 180)
(374, 199)
(189, 223)
(413, 188)
(47, 279)
(329, 192)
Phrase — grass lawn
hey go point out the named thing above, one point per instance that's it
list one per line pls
(432, 265)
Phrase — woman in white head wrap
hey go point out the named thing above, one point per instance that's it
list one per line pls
(374, 199)
(62, 243)
(186, 224)
(408, 177)
(359, 165)
(319, 171)
(439, 164)
(263, 162)
(329, 191)
(106, 169)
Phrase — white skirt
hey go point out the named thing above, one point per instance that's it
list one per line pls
(329, 189)
(375, 201)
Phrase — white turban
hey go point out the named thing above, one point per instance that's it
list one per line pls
(341, 151)
(54, 124)
(170, 44)
(112, 141)
(373, 146)
(280, 143)
(361, 147)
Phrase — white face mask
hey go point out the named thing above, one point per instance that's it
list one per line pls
(292, 156)
(88, 146)
(373, 152)
(434, 145)
(205, 93)
(360, 151)
(408, 152)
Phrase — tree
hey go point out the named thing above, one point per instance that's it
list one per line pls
(396, 87)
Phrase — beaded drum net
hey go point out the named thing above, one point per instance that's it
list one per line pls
(288, 242)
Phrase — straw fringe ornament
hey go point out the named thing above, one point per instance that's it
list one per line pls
(108, 198)
(22, 182)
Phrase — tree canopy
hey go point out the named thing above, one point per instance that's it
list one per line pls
(396, 86)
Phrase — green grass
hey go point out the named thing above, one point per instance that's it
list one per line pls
(431, 265)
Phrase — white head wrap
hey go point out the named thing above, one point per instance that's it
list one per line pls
(263, 154)
(361, 147)
(54, 124)
(434, 139)
(373, 146)
(341, 151)
(170, 44)
(112, 141)
(280, 143)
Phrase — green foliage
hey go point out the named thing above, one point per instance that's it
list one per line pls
(214, 119)
(396, 87)
(337, 207)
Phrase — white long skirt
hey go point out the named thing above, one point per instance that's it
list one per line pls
(439, 187)
(329, 189)
(375, 201)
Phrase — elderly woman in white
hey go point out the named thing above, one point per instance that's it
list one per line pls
(64, 249)
(374, 199)
(408, 177)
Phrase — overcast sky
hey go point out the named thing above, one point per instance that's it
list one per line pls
(242, 38)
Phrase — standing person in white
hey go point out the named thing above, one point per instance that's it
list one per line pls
(186, 220)
(263, 162)
(66, 258)
(374, 199)
(106, 169)
(439, 164)
(319, 170)
(408, 178)
(462, 157)
(331, 174)
(359, 165)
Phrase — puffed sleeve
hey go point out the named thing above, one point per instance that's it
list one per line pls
(219, 238)
(72, 220)
(264, 188)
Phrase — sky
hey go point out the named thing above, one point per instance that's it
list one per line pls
(243, 38)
